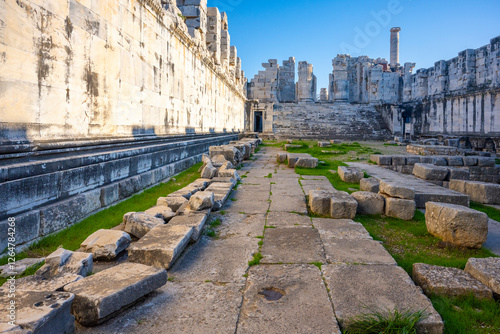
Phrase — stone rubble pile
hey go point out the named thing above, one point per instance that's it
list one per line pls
(64, 288)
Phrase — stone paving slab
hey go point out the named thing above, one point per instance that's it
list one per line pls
(255, 180)
(281, 190)
(355, 251)
(287, 219)
(224, 261)
(281, 203)
(179, 308)
(253, 207)
(303, 305)
(292, 245)
(424, 191)
(308, 185)
(340, 229)
(249, 195)
(358, 289)
(235, 224)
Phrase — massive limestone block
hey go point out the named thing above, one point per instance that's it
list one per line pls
(487, 271)
(456, 224)
(229, 152)
(227, 171)
(196, 220)
(221, 192)
(220, 160)
(64, 261)
(448, 282)
(209, 171)
(397, 190)
(106, 244)
(369, 203)
(140, 223)
(319, 202)
(294, 157)
(281, 157)
(381, 160)
(481, 192)
(307, 162)
(457, 174)
(161, 246)
(399, 208)
(161, 211)
(172, 202)
(430, 172)
(103, 295)
(201, 200)
(370, 184)
(343, 206)
(350, 174)
(38, 312)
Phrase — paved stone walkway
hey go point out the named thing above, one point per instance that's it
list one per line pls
(212, 289)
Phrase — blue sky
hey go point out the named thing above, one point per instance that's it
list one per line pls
(316, 31)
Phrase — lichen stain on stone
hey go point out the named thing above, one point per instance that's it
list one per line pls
(3, 57)
(68, 26)
(91, 81)
(92, 27)
(44, 45)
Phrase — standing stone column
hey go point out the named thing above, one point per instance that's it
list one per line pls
(407, 81)
(286, 81)
(323, 95)
(395, 46)
(225, 41)
(306, 86)
(340, 80)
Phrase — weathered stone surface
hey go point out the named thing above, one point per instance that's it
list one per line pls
(481, 192)
(307, 162)
(281, 244)
(229, 152)
(456, 224)
(219, 160)
(281, 157)
(124, 285)
(430, 172)
(448, 282)
(39, 283)
(381, 160)
(106, 244)
(27, 228)
(340, 229)
(308, 185)
(487, 271)
(457, 174)
(485, 162)
(227, 171)
(140, 223)
(201, 200)
(399, 208)
(209, 172)
(161, 211)
(369, 203)
(161, 246)
(173, 203)
(280, 203)
(319, 202)
(370, 184)
(355, 251)
(19, 267)
(324, 144)
(38, 312)
(287, 219)
(356, 288)
(454, 161)
(303, 305)
(196, 220)
(397, 190)
(221, 191)
(350, 174)
(64, 261)
(343, 206)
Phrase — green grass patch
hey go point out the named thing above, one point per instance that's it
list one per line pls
(387, 322)
(317, 264)
(234, 199)
(28, 272)
(269, 176)
(269, 226)
(256, 259)
(491, 212)
(72, 237)
(464, 315)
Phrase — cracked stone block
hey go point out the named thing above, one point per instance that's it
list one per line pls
(456, 224)
(369, 203)
(64, 261)
(125, 284)
(399, 208)
(487, 271)
(319, 202)
(172, 202)
(162, 211)
(350, 174)
(161, 246)
(485, 162)
(38, 312)
(370, 184)
(446, 281)
(430, 172)
(140, 223)
(209, 172)
(343, 206)
(106, 244)
(397, 190)
(201, 200)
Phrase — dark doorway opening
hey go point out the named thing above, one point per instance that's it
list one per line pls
(258, 122)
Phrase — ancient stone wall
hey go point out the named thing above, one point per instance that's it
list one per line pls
(78, 69)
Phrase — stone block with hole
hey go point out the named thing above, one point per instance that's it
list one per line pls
(350, 174)
(343, 206)
(456, 224)
(161, 211)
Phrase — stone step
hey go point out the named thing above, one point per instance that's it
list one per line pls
(103, 295)
(161, 246)
(359, 289)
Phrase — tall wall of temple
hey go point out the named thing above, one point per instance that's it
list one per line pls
(73, 69)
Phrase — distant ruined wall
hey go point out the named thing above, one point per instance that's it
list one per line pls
(73, 69)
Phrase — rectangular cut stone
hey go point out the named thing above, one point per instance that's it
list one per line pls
(360, 251)
(430, 172)
(319, 202)
(456, 224)
(343, 206)
(481, 192)
(350, 174)
(397, 190)
(487, 271)
(104, 294)
(340, 229)
(446, 281)
(161, 246)
(356, 288)
(381, 160)
(457, 174)
(370, 184)
(399, 208)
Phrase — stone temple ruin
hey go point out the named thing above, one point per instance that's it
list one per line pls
(100, 100)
